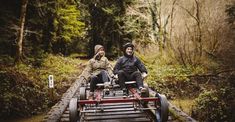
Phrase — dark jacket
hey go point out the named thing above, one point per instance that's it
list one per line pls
(129, 65)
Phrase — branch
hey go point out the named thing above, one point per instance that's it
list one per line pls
(195, 18)
(33, 32)
(132, 11)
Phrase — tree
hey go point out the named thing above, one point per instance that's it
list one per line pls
(106, 25)
(67, 25)
(19, 51)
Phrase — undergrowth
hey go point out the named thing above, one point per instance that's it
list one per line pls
(169, 77)
(212, 92)
(24, 87)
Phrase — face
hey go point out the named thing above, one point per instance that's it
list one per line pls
(101, 52)
(129, 51)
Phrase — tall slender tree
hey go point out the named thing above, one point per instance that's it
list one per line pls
(19, 49)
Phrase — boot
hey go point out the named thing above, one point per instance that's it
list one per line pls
(91, 96)
(143, 90)
(106, 85)
(124, 92)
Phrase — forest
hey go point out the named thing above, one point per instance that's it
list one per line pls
(188, 47)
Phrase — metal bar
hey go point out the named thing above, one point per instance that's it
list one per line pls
(102, 101)
(146, 108)
(111, 107)
(109, 110)
(114, 113)
(136, 95)
(130, 82)
(90, 111)
(127, 116)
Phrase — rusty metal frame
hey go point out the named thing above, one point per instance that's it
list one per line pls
(136, 98)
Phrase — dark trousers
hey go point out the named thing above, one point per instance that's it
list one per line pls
(100, 78)
(123, 77)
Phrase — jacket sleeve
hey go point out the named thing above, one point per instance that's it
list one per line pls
(87, 72)
(109, 67)
(117, 66)
(141, 66)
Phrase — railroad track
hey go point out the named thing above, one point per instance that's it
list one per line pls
(109, 112)
(115, 112)
(112, 113)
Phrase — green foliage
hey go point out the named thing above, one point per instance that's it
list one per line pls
(138, 28)
(60, 67)
(24, 88)
(67, 24)
(171, 78)
(162, 69)
(106, 25)
(215, 105)
(19, 95)
(5, 59)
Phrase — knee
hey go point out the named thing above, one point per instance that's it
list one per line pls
(94, 77)
(137, 74)
(103, 72)
(120, 72)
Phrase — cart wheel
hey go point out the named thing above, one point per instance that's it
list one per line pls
(73, 110)
(82, 93)
(163, 108)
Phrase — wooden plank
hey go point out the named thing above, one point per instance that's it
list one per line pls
(122, 120)
(130, 117)
(58, 109)
(113, 113)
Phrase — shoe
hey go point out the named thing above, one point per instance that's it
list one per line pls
(106, 91)
(124, 92)
(143, 90)
(91, 96)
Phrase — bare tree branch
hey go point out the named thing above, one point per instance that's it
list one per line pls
(195, 18)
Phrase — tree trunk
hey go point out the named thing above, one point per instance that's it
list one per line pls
(21, 32)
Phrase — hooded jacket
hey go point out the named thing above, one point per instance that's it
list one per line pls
(97, 47)
(94, 66)
(129, 65)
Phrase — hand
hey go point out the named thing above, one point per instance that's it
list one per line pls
(144, 75)
(115, 76)
(101, 53)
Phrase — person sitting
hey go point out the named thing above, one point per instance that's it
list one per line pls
(129, 67)
(98, 70)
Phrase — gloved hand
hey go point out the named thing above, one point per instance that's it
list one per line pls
(144, 75)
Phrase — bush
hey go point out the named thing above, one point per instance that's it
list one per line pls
(24, 88)
(170, 78)
(19, 95)
(215, 105)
